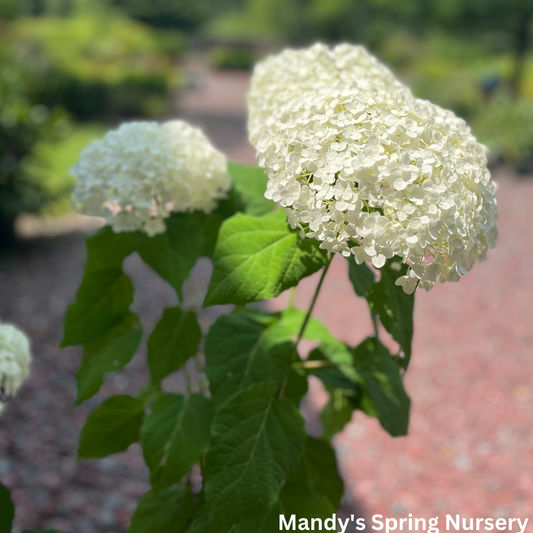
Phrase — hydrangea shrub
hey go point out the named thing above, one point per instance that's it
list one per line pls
(361, 168)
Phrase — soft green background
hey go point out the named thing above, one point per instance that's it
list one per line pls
(70, 69)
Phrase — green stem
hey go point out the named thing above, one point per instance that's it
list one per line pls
(313, 302)
(307, 318)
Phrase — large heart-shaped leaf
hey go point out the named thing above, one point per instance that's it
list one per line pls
(257, 441)
(237, 356)
(258, 258)
(174, 436)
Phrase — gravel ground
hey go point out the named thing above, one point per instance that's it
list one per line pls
(471, 380)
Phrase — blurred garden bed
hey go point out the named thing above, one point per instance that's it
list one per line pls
(64, 81)
(98, 68)
(72, 69)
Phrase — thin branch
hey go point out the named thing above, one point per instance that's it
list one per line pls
(306, 320)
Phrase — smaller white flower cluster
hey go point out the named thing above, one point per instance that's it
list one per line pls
(15, 360)
(141, 172)
(367, 169)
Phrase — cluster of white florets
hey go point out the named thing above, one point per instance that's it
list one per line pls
(368, 169)
(141, 172)
(294, 73)
(15, 360)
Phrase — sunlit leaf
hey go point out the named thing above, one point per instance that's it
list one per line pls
(258, 258)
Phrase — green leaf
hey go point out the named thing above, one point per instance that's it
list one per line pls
(257, 440)
(105, 294)
(174, 436)
(383, 383)
(210, 224)
(103, 300)
(237, 357)
(282, 357)
(251, 184)
(201, 523)
(315, 488)
(336, 413)
(258, 258)
(107, 250)
(240, 351)
(150, 393)
(175, 338)
(343, 375)
(297, 387)
(394, 307)
(173, 254)
(266, 523)
(360, 276)
(259, 316)
(297, 498)
(168, 511)
(289, 324)
(288, 327)
(112, 427)
(7, 510)
(322, 472)
(107, 354)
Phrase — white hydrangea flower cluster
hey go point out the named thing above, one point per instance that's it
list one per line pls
(368, 169)
(294, 73)
(141, 172)
(15, 360)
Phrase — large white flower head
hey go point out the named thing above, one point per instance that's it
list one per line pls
(291, 74)
(141, 172)
(378, 173)
(15, 360)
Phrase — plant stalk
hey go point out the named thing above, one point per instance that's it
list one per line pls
(313, 302)
(307, 318)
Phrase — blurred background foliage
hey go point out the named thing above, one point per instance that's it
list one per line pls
(71, 68)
